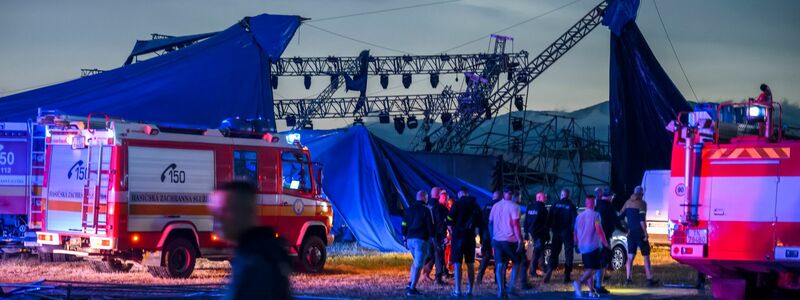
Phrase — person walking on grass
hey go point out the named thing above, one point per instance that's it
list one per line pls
(463, 221)
(536, 230)
(436, 258)
(634, 212)
(591, 241)
(417, 231)
(562, 223)
(609, 221)
(486, 236)
(506, 241)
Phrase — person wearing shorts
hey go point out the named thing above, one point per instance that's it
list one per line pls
(634, 212)
(591, 241)
(463, 222)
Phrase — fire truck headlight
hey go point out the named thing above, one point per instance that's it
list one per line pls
(755, 112)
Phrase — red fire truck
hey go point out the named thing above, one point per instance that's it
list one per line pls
(736, 199)
(21, 169)
(127, 192)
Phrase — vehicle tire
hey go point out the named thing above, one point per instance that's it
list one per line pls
(178, 258)
(618, 258)
(312, 255)
(45, 257)
(112, 265)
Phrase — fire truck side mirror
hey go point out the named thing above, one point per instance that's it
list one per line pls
(318, 177)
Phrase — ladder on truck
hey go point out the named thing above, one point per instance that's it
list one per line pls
(95, 193)
(36, 136)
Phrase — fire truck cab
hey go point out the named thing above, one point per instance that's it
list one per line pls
(735, 200)
(119, 193)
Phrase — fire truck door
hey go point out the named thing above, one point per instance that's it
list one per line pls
(296, 192)
(742, 210)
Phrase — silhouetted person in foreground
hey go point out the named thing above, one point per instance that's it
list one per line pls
(261, 266)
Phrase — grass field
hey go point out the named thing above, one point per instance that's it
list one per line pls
(350, 272)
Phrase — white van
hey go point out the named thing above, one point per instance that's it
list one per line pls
(657, 193)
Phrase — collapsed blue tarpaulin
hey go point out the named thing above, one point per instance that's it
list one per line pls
(168, 44)
(223, 76)
(367, 178)
(642, 101)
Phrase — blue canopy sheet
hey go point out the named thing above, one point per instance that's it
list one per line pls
(226, 75)
(642, 101)
(370, 182)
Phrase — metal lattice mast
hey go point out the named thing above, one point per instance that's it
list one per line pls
(453, 138)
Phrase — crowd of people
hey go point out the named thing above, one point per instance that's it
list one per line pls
(440, 231)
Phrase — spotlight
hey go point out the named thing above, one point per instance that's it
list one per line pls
(444, 57)
(358, 121)
(274, 81)
(407, 58)
(434, 80)
(335, 81)
(307, 81)
(446, 117)
(384, 81)
(399, 124)
(297, 60)
(516, 124)
(291, 121)
(519, 103)
(308, 125)
(383, 117)
(406, 80)
(412, 122)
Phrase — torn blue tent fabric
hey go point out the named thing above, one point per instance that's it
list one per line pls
(618, 13)
(224, 76)
(369, 182)
(642, 101)
(167, 44)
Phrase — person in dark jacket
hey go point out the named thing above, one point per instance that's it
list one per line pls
(439, 213)
(417, 231)
(486, 236)
(562, 222)
(536, 229)
(261, 265)
(609, 221)
(463, 221)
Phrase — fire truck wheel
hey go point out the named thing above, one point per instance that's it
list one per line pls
(45, 257)
(618, 258)
(312, 255)
(112, 265)
(178, 259)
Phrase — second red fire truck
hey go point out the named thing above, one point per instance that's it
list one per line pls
(735, 199)
(126, 192)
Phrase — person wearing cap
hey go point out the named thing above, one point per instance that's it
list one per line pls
(591, 241)
(463, 222)
(417, 231)
(439, 213)
(486, 236)
(562, 222)
(536, 229)
(506, 241)
(609, 222)
(634, 212)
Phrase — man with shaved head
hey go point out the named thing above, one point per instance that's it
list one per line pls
(536, 229)
(261, 265)
(417, 231)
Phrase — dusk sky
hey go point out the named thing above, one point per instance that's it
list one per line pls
(728, 47)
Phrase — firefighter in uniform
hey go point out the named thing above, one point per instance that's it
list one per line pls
(486, 236)
(536, 229)
(562, 222)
